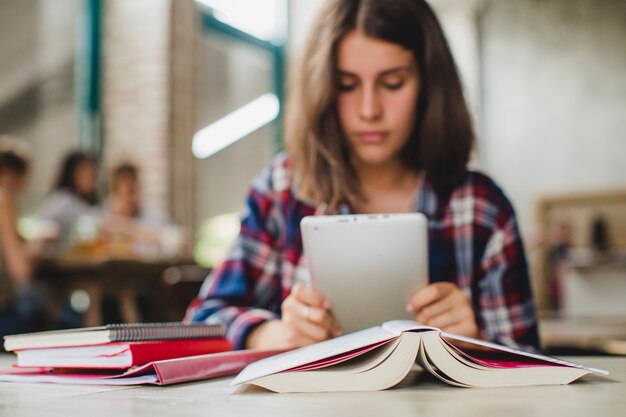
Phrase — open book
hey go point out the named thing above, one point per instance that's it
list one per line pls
(380, 357)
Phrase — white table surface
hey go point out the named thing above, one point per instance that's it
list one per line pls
(592, 396)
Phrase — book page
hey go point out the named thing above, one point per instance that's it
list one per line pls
(424, 362)
(398, 326)
(493, 359)
(341, 358)
(361, 363)
(451, 338)
(313, 353)
(78, 379)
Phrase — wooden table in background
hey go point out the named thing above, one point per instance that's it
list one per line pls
(606, 334)
(98, 277)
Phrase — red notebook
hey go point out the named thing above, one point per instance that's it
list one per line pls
(164, 372)
(118, 355)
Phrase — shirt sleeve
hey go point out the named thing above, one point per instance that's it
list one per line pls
(245, 290)
(506, 308)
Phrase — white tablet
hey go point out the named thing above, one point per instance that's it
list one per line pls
(368, 266)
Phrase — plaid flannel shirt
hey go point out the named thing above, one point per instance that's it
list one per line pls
(474, 242)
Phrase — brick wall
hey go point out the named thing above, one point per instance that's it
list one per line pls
(137, 92)
(149, 102)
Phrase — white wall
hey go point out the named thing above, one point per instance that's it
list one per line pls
(301, 15)
(136, 104)
(554, 97)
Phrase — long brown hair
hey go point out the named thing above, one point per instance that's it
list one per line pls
(443, 136)
(69, 166)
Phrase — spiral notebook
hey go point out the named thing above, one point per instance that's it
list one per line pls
(133, 332)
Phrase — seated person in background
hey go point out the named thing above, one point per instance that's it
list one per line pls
(126, 220)
(376, 123)
(124, 199)
(20, 304)
(74, 194)
(131, 230)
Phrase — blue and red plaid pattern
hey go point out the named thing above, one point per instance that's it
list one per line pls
(474, 242)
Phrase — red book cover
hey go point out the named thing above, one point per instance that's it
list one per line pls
(199, 367)
(146, 352)
(165, 372)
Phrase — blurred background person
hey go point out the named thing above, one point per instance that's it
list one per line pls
(74, 194)
(135, 229)
(124, 192)
(124, 198)
(20, 303)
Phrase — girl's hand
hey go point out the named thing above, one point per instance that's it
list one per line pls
(444, 306)
(306, 319)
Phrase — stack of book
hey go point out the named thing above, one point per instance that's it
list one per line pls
(376, 358)
(121, 354)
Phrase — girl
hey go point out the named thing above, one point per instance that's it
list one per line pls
(376, 123)
(74, 194)
(20, 302)
(14, 253)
